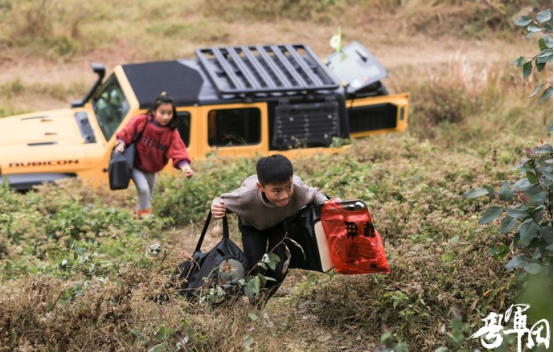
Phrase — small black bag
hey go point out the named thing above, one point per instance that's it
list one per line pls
(306, 230)
(224, 265)
(120, 169)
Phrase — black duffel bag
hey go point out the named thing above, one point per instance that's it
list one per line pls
(224, 266)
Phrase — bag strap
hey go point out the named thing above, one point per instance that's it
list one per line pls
(137, 137)
(205, 230)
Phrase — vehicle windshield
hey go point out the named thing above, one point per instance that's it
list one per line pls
(110, 106)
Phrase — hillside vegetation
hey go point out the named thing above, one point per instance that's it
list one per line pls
(78, 273)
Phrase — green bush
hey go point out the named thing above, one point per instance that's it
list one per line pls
(527, 203)
(54, 233)
(186, 201)
(529, 200)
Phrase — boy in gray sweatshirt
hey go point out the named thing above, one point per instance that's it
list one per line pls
(262, 203)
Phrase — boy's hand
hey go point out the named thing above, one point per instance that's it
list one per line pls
(335, 199)
(188, 171)
(218, 210)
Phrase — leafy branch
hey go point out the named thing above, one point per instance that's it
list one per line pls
(529, 200)
(542, 23)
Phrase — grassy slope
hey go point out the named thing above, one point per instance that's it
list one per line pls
(469, 122)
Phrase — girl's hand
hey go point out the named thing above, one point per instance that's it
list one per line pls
(120, 147)
(218, 210)
(188, 171)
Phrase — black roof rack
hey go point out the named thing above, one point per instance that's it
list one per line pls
(244, 70)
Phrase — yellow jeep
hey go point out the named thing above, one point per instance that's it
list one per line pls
(231, 101)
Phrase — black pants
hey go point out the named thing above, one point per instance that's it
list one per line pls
(256, 243)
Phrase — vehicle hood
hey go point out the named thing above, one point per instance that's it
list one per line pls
(56, 127)
(45, 142)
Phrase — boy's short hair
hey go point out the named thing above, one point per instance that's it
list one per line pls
(275, 169)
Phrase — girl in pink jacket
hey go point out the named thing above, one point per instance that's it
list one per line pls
(158, 142)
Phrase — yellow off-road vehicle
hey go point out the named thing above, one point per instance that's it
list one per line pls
(232, 101)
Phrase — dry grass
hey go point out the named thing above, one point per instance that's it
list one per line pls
(427, 280)
(53, 315)
(438, 257)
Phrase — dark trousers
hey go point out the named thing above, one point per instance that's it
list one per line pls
(256, 243)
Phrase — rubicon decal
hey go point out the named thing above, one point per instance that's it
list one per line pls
(43, 163)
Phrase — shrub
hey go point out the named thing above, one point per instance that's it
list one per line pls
(52, 232)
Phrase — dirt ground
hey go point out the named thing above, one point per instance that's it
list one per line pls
(397, 51)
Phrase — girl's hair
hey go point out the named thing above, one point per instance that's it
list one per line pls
(164, 99)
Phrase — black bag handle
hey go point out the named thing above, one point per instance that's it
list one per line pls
(137, 137)
(205, 230)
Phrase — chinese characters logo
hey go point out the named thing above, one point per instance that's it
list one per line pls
(491, 333)
(352, 230)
